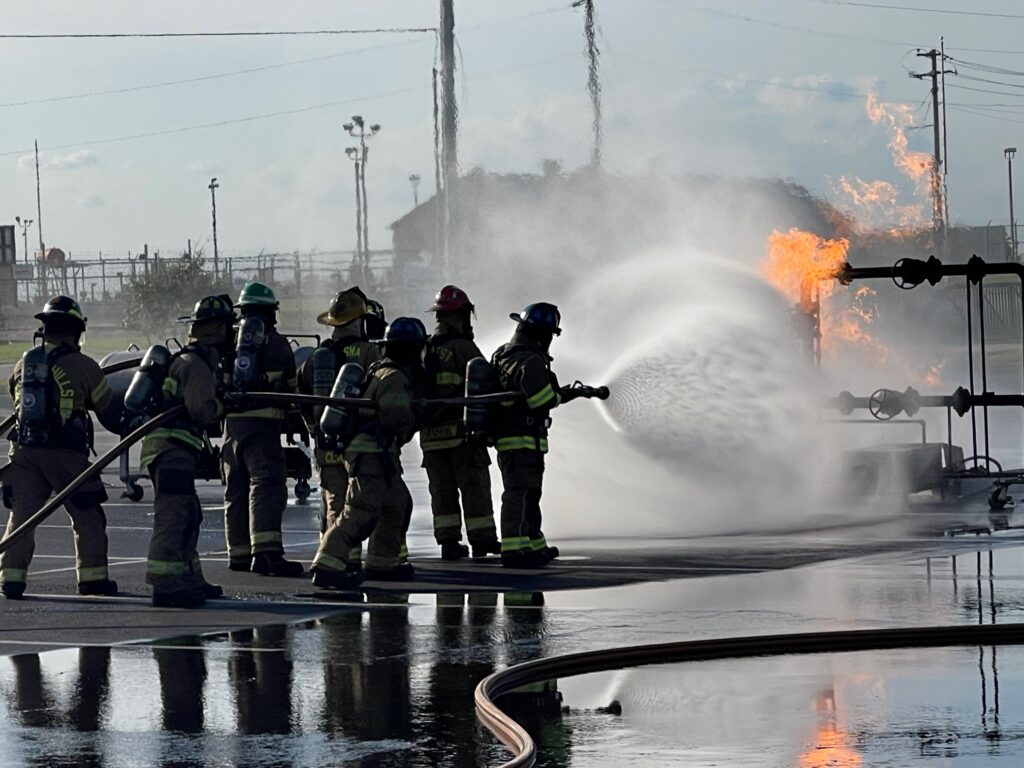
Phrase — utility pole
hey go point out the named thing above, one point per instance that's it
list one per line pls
(938, 207)
(355, 156)
(593, 83)
(39, 213)
(357, 129)
(449, 127)
(1009, 152)
(214, 186)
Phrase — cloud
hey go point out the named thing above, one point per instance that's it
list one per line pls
(94, 201)
(70, 161)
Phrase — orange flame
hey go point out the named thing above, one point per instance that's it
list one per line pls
(798, 259)
(877, 203)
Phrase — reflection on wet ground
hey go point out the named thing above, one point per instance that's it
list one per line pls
(390, 682)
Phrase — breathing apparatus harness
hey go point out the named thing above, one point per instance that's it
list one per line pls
(39, 422)
(146, 396)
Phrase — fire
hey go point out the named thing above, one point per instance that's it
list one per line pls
(797, 258)
(878, 204)
(803, 267)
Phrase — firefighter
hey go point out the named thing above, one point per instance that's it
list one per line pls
(252, 456)
(348, 345)
(53, 394)
(521, 433)
(171, 455)
(378, 500)
(455, 466)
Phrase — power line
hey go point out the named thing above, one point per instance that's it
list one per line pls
(204, 78)
(544, 62)
(233, 121)
(982, 114)
(887, 7)
(260, 33)
(984, 90)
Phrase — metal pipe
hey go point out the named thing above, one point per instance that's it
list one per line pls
(970, 369)
(984, 367)
(524, 751)
(90, 472)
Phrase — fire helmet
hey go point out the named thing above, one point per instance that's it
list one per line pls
(375, 308)
(258, 295)
(541, 316)
(62, 306)
(211, 308)
(406, 329)
(451, 298)
(346, 307)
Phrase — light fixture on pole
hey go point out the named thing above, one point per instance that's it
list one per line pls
(213, 187)
(414, 179)
(1009, 152)
(24, 224)
(358, 129)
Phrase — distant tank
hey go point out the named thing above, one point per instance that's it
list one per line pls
(53, 257)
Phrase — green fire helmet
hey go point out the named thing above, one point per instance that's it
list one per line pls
(61, 306)
(256, 294)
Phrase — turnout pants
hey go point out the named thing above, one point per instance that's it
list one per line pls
(256, 491)
(173, 561)
(522, 475)
(451, 472)
(378, 507)
(333, 490)
(32, 476)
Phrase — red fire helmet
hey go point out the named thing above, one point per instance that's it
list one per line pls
(451, 298)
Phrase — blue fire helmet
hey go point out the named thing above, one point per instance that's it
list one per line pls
(542, 316)
(407, 329)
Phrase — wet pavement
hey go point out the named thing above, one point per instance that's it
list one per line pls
(276, 675)
(387, 680)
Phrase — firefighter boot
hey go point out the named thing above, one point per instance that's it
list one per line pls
(181, 598)
(486, 548)
(333, 580)
(13, 590)
(106, 587)
(452, 550)
(274, 564)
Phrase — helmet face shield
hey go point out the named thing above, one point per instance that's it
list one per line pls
(540, 317)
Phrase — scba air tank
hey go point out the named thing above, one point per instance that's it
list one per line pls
(146, 390)
(322, 360)
(33, 408)
(252, 335)
(480, 380)
(348, 384)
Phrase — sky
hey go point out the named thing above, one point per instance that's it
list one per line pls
(763, 88)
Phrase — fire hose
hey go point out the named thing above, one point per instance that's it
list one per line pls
(263, 397)
(90, 472)
(524, 751)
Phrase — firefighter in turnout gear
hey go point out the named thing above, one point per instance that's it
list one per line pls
(378, 500)
(454, 465)
(54, 386)
(346, 345)
(171, 454)
(521, 433)
(252, 456)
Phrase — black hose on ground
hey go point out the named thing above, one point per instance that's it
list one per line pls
(524, 751)
(90, 472)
